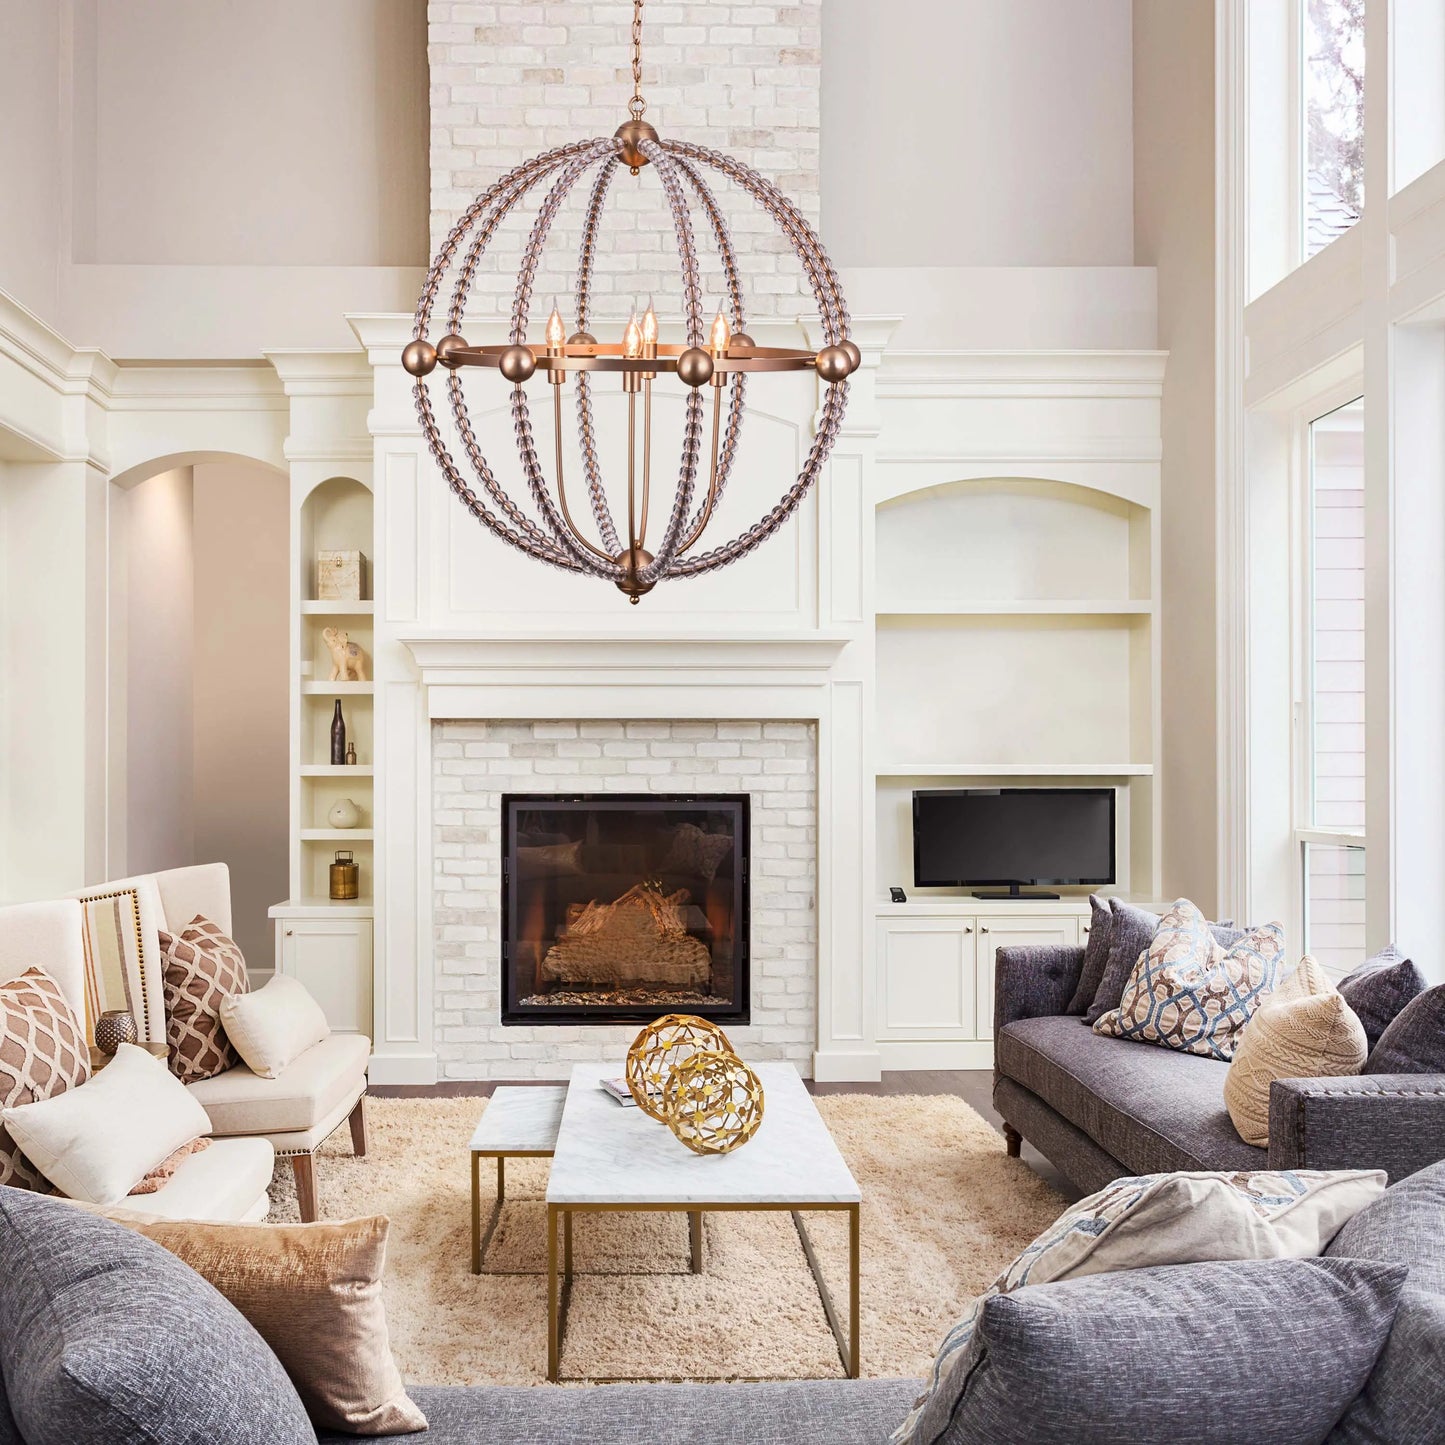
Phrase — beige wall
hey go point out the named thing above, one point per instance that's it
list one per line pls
(1174, 231)
(30, 153)
(153, 580)
(262, 134)
(241, 747)
(977, 133)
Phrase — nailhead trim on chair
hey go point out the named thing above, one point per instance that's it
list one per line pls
(345, 1119)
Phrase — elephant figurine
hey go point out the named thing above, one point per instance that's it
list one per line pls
(348, 661)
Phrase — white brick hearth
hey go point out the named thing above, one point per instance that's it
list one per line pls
(474, 763)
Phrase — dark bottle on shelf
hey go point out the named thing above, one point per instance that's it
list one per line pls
(338, 736)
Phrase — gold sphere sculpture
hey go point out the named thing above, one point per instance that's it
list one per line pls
(834, 364)
(419, 357)
(855, 357)
(694, 367)
(660, 1047)
(712, 1102)
(517, 363)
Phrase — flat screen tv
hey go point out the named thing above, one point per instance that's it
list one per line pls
(1011, 838)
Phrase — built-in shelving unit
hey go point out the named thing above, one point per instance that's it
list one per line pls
(1016, 636)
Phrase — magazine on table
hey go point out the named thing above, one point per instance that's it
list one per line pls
(618, 1089)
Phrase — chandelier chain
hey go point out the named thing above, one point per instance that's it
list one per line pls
(637, 106)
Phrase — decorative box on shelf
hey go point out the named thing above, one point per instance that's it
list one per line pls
(340, 576)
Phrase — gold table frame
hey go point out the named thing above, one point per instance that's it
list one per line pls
(558, 1300)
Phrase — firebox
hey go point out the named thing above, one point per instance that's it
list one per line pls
(618, 907)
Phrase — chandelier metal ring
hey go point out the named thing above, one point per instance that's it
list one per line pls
(706, 363)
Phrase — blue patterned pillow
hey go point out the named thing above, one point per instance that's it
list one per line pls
(1190, 993)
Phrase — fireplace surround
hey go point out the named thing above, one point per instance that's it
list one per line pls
(617, 907)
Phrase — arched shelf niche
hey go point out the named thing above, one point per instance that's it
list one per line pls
(1013, 544)
(1016, 645)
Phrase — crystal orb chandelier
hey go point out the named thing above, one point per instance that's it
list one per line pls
(712, 358)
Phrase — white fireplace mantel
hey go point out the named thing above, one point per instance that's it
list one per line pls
(626, 674)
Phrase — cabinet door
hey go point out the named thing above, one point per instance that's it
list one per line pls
(926, 986)
(333, 961)
(1015, 931)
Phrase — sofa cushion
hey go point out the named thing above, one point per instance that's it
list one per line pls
(313, 1087)
(1187, 992)
(1414, 1043)
(274, 1026)
(1269, 1351)
(1096, 954)
(228, 1181)
(201, 968)
(802, 1412)
(106, 1337)
(1380, 987)
(1304, 1030)
(42, 1054)
(1154, 1110)
(1404, 1398)
(9, 1430)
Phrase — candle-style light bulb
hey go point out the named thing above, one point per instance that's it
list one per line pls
(632, 338)
(556, 331)
(720, 335)
(649, 330)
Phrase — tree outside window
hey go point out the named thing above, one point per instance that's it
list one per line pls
(1334, 117)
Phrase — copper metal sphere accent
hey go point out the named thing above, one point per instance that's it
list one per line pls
(517, 363)
(834, 364)
(855, 357)
(633, 560)
(660, 1046)
(651, 532)
(447, 349)
(632, 134)
(712, 1101)
(419, 357)
(694, 367)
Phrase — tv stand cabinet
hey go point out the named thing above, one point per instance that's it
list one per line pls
(935, 969)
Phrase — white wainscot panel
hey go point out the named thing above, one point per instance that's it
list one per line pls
(926, 983)
(773, 587)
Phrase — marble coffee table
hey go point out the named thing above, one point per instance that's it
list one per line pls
(611, 1158)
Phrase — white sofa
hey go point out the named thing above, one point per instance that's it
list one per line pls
(229, 1180)
(296, 1113)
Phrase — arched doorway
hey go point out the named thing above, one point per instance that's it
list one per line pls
(199, 551)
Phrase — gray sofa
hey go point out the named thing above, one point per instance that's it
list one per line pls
(1102, 1108)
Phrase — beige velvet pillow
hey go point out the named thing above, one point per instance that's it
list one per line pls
(273, 1026)
(313, 1293)
(1305, 1030)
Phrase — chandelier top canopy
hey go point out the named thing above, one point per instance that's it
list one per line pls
(711, 359)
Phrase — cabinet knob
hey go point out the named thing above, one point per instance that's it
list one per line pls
(1086, 928)
(968, 930)
(288, 933)
(983, 929)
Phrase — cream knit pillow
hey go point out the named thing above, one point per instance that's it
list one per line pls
(1304, 1031)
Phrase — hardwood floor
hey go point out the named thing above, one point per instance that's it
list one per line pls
(973, 1086)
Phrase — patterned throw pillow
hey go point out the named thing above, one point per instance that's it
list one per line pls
(202, 969)
(1153, 1220)
(42, 1053)
(1304, 1030)
(1190, 993)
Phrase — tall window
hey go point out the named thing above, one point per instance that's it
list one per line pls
(1331, 729)
(1333, 92)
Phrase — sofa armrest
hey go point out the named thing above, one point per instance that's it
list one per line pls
(1394, 1122)
(1034, 982)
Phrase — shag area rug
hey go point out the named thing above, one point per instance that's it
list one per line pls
(944, 1209)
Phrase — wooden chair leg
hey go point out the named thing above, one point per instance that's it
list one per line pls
(358, 1128)
(1013, 1141)
(303, 1166)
